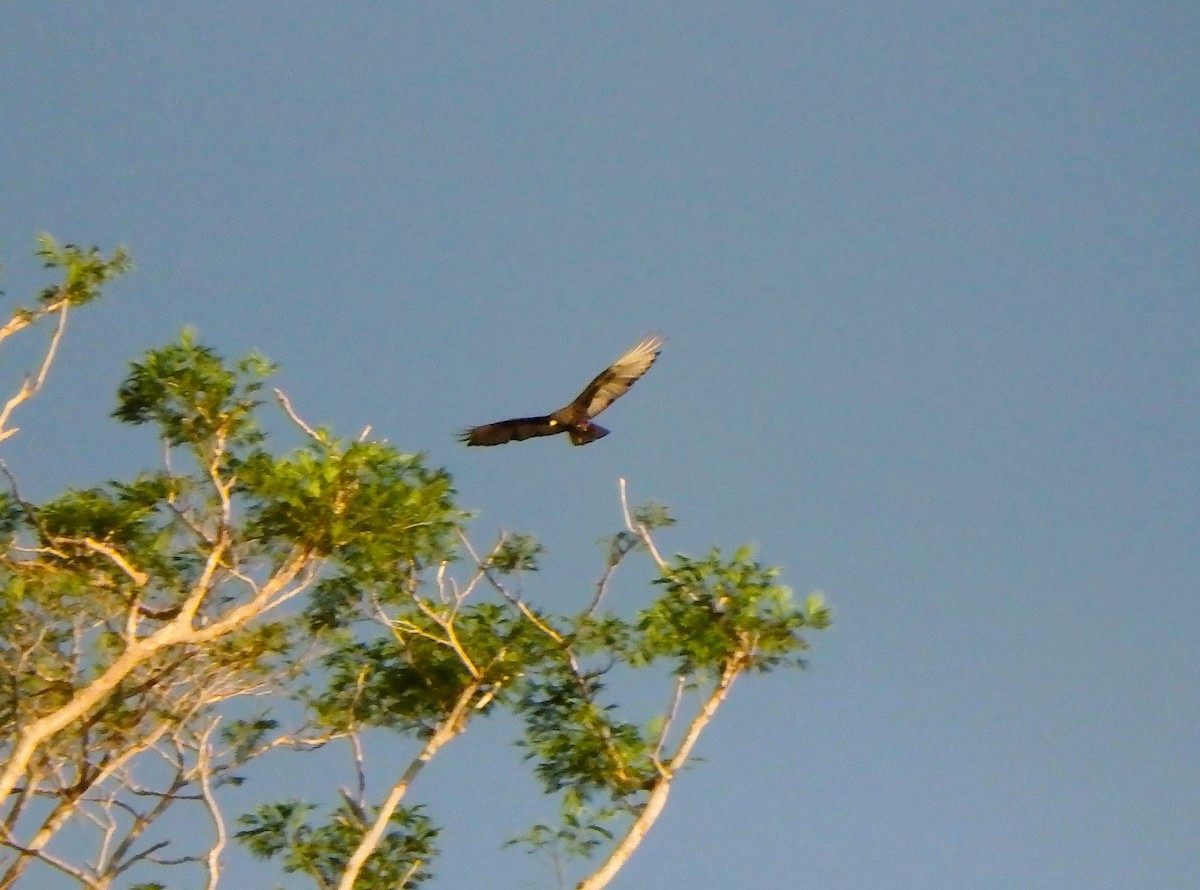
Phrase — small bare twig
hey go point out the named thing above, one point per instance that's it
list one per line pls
(286, 404)
(412, 870)
(31, 386)
(140, 578)
(360, 772)
(640, 530)
(204, 768)
(453, 723)
(66, 868)
(503, 591)
(661, 788)
(676, 699)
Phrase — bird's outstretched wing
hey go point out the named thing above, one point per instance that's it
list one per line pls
(510, 431)
(614, 381)
(575, 418)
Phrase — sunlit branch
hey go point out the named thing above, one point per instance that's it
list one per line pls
(640, 530)
(672, 713)
(179, 630)
(412, 870)
(661, 788)
(204, 770)
(286, 404)
(503, 591)
(138, 577)
(31, 386)
(452, 725)
(67, 806)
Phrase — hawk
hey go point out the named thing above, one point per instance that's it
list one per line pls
(576, 418)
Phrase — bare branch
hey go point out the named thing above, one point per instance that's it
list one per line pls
(223, 487)
(360, 773)
(640, 530)
(286, 404)
(65, 867)
(661, 788)
(204, 768)
(301, 568)
(503, 591)
(447, 625)
(141, 579)
(672, 713)
(119, 860)
(31, 386)
(412, 870)
(454, 723)
(67, 807)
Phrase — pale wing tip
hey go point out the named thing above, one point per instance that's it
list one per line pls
(642, 354)
(651, 343)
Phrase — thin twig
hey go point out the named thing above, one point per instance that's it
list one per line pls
(640, 530)
(412, 870)
(451, 726)
(30, 387)
(141, 579)
(66, 868)
(661, 788)
(503, 591)
(676, 699)
(286, 404)
(360, 772)
(204, 767)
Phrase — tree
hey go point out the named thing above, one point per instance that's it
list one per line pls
(161, 635)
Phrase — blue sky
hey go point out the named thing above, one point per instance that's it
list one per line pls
(929, 274)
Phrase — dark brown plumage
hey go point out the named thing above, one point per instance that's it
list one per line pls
(576, 418)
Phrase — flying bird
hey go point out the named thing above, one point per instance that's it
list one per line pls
(576, 418)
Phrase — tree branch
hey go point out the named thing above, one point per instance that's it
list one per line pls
(30, 387)
(286, 404)
(640, 530)
(179, 630)
(661, 788)
(452, 725)
(503, 591)
(204, 768)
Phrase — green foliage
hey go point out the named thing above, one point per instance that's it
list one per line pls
(186, 389)
(577, 743)
(410, 679)
(245, 735)
(516, 553)
(651, 516)
(131, 519)
(12, 514)
(394, 628)
(715, 610)
(85, 271)
(363, 503)
(580, 831)
(381, 683)
(604, 634)
(321, 851)
(93, 513)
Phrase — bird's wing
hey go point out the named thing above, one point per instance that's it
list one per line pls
(613, 382)
(509, 431)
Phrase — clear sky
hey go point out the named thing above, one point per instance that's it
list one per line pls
(930, 274)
